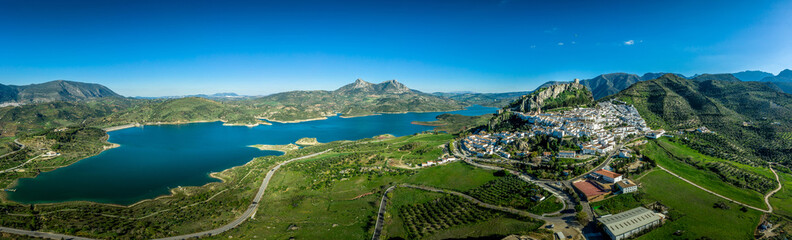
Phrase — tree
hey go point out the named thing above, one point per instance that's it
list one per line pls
(582, 217)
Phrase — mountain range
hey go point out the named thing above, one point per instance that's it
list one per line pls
(611, 83)
(359, 98)
(749, 117)
(497, 100)
(59, 90)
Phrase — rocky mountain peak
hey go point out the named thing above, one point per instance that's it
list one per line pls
(392, 86)
(386, 87)
(542, 98)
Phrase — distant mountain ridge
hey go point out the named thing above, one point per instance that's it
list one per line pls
(386, 87)
(752, 76)
(359, 98)
(611, 83)
(215, 96)
(783, 76)
(497, 100)
(720, 77)
(58, 90)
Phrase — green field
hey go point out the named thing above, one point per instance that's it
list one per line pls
(416, 149)
(619, 203)
(693, 212)
(679, 149)
(701, 177)
(782, 200)
(486, 223)
(331, 195)
(457, 176)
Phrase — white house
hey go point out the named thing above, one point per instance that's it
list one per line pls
(609, 176)
(627, 186)
(655, 134)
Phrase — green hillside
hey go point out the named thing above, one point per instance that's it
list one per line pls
(59, 90)
(748, 118)
(357, 99)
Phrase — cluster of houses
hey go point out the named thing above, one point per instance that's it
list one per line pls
(484, 143)
(602, 183)
(603, 125)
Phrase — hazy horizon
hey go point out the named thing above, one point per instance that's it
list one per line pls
(153, 48)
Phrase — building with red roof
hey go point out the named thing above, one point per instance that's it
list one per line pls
(592, 191)
(609, 176)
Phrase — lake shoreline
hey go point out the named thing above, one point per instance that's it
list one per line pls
(215, 174)
(225, 123)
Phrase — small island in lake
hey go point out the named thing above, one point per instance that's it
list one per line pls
(307, 142)
(280, 148)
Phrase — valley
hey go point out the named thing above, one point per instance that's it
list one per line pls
(526, 168)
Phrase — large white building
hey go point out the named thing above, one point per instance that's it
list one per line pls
(609, 176)
(628, 223)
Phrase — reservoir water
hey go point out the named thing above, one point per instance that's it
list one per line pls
(153, 159)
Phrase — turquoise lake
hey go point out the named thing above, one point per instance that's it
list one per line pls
(153, 159)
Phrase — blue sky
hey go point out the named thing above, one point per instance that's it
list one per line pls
(156, 48)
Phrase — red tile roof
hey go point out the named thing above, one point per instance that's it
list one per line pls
(588, 188)
(607, 173)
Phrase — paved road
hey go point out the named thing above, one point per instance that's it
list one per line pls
(565, 199)
(732, 200)
(247, 214)
(381, 214)
(21, 146)
(39, 234)
(20, 165)
(251, 209)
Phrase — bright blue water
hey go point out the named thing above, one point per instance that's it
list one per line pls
(153, 159)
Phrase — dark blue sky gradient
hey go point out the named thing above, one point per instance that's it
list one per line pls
(154, 48)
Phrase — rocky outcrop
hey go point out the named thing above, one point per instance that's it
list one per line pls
(386, 87)
(538, 100)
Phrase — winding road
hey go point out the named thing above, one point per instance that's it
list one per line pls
(247, 214)
(21, 146)
(766, 197)
(381, 214)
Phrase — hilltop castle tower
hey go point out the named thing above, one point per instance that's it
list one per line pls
(577, 81)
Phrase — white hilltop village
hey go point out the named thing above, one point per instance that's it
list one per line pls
(604, 125)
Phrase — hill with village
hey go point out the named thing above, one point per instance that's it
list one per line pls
(616, 156)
